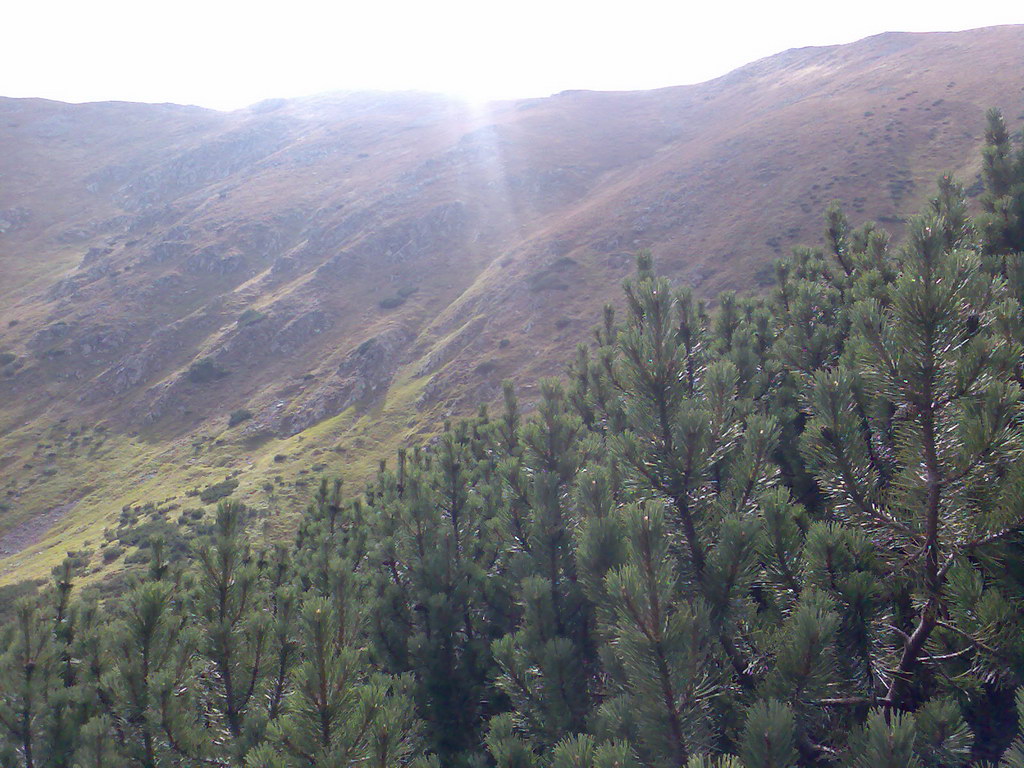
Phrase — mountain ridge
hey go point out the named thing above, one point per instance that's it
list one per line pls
(354, 271)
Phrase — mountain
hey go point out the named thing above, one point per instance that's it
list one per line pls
(189, 297)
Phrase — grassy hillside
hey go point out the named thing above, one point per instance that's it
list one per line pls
(352, 269)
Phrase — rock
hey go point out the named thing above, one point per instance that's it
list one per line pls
(209, 162)
(168, 249)
(211, 260)
(13, 219)
(44, 339)
(362, 379)
(444, 353)
(300, 330)
(93, 255)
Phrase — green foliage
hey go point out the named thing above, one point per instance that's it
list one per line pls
(335, 715)
(885, 742)
(663, 647)
(26, 682)
(218, 491)
(1014, 756)
(238, 416)
(943, 738)
(769, 736)
(1002, 223)
(585, 752)
(204, 371)
(232, 611)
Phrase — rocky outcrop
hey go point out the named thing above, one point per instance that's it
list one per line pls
(212, 260)
(443, 227)
(212, 161)
(45, 339)
(300, 330)
(169, 346)
(446, 351)
(168, 250)
(371, 239)
(13, 219)
(361, 380)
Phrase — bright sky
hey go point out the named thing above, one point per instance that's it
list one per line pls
(227, 54)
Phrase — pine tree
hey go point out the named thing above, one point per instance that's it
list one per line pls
(102, 733)
(661, 646)
(151, 680)
(585, 752)
(914, 437)
(1014, 756)
(1002, 223)
(25, 686)
(690, 436)
(437, 609)
(885, 742)
(230, 610)
(337, 713)
(66, 709)
(548, 663)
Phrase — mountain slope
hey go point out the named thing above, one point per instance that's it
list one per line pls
(352, 269)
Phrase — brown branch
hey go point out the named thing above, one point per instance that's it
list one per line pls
(854, 701)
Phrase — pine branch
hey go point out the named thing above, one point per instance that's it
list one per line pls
(854, 701)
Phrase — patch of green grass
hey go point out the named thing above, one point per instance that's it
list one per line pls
(149, 472)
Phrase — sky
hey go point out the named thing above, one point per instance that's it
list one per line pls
(227, 54)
